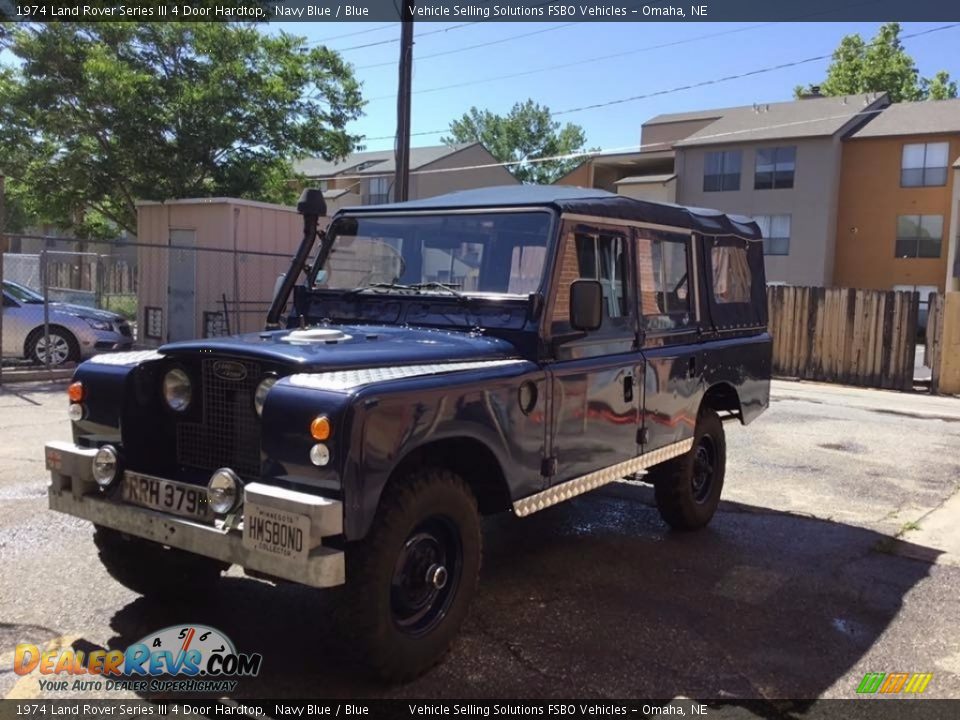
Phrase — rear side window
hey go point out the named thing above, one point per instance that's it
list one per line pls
(662, 268)
(731, 274)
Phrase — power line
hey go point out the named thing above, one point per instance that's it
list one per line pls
(396, 40)
(353, 34)
(704, 83)
(585, 61)
(474, 47)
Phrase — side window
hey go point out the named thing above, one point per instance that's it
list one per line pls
(731, 274)
(594, 254)
(665, 300)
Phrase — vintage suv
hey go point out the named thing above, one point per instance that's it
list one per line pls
(484, 351)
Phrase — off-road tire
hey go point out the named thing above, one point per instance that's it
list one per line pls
(151, 569)
(425, 498)
(682, 502)
(73, 347)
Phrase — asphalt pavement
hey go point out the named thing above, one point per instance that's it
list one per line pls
(834, 554)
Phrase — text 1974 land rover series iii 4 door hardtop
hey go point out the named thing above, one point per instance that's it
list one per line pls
(484, 351)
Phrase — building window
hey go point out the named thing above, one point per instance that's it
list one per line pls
(721, 171)
(919, 236)
(775, 167)
(153, 320)
(664, 282)
(776, 233)
(378, 191)
(924, 164)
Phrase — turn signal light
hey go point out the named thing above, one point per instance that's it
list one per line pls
(75, 392)
(320, 427)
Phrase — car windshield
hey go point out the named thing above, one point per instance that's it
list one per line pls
(495, 252)
(20, 293)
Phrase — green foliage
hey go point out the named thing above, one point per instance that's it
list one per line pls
(882, 65)
(96, 116)
(526, 133)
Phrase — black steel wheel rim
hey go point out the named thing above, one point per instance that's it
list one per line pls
(426, 576)
(704, 468)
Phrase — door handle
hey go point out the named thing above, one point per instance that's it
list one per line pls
(628, 388)
(692, 366)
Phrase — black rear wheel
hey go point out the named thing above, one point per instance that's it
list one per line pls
(411, 580)
(688, 488)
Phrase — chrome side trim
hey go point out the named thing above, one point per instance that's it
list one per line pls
(340, 380)
(591, 481)
(125, 358)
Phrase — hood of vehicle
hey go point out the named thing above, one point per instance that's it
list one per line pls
(84, 311)
(347, 346)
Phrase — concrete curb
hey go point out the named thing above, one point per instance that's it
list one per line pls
(34, 374)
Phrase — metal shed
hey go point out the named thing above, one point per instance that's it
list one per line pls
(208, 266)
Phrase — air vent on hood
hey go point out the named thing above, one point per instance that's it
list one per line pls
(315, 335)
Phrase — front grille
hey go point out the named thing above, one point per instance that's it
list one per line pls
(229, 434)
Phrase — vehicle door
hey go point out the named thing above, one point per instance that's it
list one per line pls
(669, 319)
(14, 334)
(594, 376)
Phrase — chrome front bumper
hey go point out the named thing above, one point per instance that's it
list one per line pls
(73, 491)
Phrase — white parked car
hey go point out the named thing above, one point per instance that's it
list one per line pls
(76, 332)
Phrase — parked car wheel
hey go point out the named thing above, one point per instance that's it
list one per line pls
(411, 580)
(63, 346)
(688, 488)
(149, 568)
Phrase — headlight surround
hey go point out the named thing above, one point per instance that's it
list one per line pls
(260, 396)
(177, 391)
(97, 324)
(105, 465)
(223, 491)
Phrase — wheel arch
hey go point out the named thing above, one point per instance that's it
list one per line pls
(38, 331)
(470, 458)
(722, 397)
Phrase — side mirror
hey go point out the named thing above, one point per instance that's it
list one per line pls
(586, 305)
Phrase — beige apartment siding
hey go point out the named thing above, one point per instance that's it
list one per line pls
(652, 192)
(811, 203)
(429, 184)
(662, 136)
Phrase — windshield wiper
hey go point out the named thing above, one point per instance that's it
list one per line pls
(439, 286)
(379, 286)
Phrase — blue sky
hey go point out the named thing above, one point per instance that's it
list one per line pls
(742, 47)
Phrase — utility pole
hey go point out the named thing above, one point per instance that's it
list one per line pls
(402, 182)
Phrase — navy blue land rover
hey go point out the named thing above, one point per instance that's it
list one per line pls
(502, 349)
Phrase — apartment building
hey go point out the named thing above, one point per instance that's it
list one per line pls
(899, 200)
(367, 178)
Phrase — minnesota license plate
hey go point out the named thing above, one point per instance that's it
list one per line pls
(166, 495)
(277, 532)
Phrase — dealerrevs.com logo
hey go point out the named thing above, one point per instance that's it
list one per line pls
(180, 658)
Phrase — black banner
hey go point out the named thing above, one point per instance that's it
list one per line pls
(859, 709)
(484, 10)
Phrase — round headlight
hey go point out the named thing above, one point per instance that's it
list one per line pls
(260, 396)
(105, 465)
(223, 490)
(176, 390)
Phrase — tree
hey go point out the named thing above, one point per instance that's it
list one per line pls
(882, 65)
(96, 116)
(528, 132)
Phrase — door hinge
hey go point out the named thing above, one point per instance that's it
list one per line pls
(548, 467)
(643, 436)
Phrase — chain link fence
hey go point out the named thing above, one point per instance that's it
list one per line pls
(66, 299)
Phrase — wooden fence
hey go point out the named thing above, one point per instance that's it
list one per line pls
(934, 339)
(845, 335)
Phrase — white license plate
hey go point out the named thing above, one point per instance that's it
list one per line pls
(166, 495)
(277, 532)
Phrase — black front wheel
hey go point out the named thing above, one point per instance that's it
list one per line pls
(688, 488)
(411, 580)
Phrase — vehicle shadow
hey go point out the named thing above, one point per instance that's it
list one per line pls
(597, 598)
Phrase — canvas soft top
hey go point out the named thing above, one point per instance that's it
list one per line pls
(581, 201)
